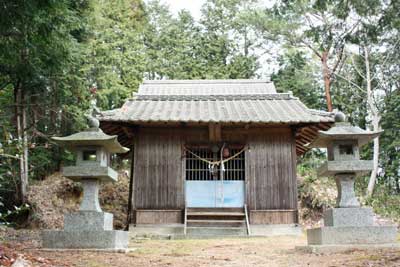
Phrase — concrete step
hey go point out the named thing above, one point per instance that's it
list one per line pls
(216, 223)
(216, 231)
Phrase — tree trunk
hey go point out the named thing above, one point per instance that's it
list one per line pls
(375, 159)
(373, 111)
(25, 145)
(20, 121)
(327, 80)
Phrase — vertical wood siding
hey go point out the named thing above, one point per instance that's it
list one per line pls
(270, 166)
(270, 171)
(158, 172)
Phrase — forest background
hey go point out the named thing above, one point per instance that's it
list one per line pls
(55, 56)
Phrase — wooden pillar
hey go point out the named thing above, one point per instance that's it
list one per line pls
(129, 217)
(214, 132)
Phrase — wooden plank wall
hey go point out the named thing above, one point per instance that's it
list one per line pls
(273, 216)
(159, 216)
(158, 178)
(270, 168)
(271, 171)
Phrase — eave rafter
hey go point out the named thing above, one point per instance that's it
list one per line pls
(307, 134)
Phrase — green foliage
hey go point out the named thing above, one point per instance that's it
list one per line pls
(181, 48)
(116, 54)
(390, 152)
(8, 216)
(42, 51)
(61, 53)
(384, 204)
(295, 74)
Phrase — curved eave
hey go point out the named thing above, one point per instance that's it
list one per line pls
(325, 138)
(110, 142)
(305, 133)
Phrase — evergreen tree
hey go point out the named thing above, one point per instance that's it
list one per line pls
(296, 74)
(181, 48)
(40, 54)
(227, 43)
(116, 52)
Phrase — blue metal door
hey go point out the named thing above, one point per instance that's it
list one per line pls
(213, 190)
(214, 194)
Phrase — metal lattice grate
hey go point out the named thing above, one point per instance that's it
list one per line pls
(198, 170)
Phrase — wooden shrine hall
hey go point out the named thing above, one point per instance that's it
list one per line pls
(214, 152)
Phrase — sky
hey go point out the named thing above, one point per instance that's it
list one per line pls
(193, 6)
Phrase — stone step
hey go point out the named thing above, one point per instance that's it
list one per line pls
(216, 231)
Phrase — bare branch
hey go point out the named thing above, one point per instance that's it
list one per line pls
(8, 156)
(357, 70)
(387, 58)
(350, 81)
(312, 48)
(339, 59)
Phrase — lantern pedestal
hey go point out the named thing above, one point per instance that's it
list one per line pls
(350, 235)
(346, 195)
(349, 217)
(90, 227)
(85, 239)
(348, 226)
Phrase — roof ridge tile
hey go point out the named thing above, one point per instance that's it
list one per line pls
(277, 96)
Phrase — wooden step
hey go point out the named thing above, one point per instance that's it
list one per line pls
(215, 209)
(214, 213)
(216, 217)
(216, 223)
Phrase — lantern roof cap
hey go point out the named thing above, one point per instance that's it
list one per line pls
(344, 131)
(92, 137)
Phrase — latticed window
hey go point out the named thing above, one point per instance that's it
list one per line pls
(235, 168)
(197, 169)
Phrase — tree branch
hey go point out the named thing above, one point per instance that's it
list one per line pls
(340, 57)
(357, 70)
(312, 48)
(349, 81)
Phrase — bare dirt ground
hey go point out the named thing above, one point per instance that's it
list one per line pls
(273, 251)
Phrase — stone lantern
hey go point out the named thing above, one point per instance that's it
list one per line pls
(90, 227)
(347, 223)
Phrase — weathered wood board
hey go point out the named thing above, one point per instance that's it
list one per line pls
(270, 182)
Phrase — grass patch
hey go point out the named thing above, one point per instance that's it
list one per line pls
(368, 258)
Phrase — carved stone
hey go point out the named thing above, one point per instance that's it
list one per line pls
(90, 201)
(346, 196)
(90, 227)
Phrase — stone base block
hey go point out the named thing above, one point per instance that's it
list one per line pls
(148, 230)
(275, 230)
(85, 239)
(352, 235)
(318, 249)
(88, 221)
(349, 217)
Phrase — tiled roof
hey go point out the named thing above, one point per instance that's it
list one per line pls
(206, 87)
(228, 108)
